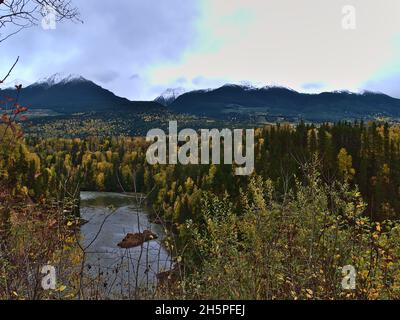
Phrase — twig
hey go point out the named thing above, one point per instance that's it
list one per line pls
(9, 72)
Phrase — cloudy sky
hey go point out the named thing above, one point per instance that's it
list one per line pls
(139, 48)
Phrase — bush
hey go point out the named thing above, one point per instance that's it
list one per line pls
(292, 246)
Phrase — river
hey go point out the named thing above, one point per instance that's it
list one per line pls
(110, 217)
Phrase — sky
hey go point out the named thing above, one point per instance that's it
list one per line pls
(139, 48)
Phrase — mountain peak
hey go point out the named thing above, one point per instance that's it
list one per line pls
(60, 78)
(170, 95)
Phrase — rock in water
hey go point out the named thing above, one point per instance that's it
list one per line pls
(137, 239)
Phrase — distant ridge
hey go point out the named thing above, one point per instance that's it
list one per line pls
(237, 101)
(73, 93)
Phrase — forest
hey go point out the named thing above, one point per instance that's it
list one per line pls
(364, 155)
(321, 197)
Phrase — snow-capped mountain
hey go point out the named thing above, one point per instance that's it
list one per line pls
(71, 94)
(170, 95)
(240, 101)
(60, 78)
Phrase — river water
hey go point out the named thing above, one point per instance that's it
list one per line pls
(110, 217)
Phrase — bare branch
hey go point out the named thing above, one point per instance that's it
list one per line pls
(16, 15)
(9, 72)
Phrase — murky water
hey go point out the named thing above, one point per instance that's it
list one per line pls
(110, 217)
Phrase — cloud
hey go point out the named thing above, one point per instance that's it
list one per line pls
(313, 86)
(134, 77)
(388, 85)
(205, 82)
(206, 43)
(290, 43)
(106, 76)
(117, 39)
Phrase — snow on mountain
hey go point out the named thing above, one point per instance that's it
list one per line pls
(170, 95)
(60, 78)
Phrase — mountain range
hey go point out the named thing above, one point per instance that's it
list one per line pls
(242, 101)
(73, 93)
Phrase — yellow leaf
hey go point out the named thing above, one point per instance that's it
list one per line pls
(364, 273)
(360, 222)
(25, 190)
(62, 288)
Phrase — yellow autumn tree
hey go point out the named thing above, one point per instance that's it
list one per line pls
(345, 165)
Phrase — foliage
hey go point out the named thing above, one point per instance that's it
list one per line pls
(292, 247)
(283, 233)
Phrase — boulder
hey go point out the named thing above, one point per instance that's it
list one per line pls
(137, 239)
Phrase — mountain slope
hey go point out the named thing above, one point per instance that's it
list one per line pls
(242, 102)
(69, 94)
